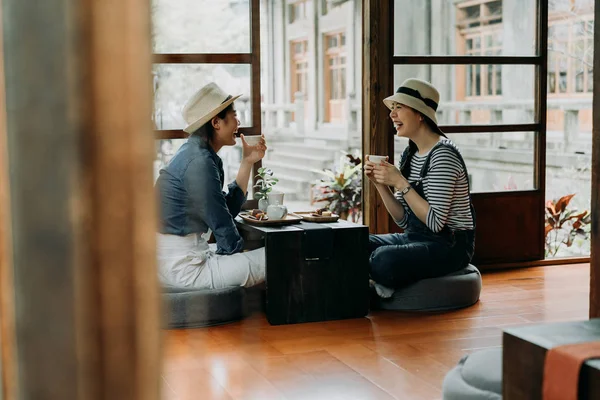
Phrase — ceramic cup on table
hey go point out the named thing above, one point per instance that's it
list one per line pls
(276, 211)
(275, 198)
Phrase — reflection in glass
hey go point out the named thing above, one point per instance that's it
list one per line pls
(458, 27)
(569, 116)
(200, 26)
(497, 162)
(174, 84)
(478, 94)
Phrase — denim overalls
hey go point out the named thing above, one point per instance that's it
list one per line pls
(398, 260)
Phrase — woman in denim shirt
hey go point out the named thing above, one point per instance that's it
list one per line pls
(193, 205)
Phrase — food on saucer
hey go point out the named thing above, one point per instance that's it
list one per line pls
(322, 212)
(258, 214)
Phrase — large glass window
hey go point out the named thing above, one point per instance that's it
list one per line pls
(200, 26)
(569, 120)
(464, 27)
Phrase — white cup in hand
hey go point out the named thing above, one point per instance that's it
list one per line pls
(252, 140)
(376, 159)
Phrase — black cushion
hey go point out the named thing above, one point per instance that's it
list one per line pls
(456, 290)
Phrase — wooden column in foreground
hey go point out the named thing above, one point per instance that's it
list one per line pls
(8, 365)
(80, 151)
(377, 83)
(595, 206)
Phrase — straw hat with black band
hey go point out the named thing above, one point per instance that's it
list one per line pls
(204, 105)
(420, 96)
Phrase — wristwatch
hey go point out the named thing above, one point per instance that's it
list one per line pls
(405, 190)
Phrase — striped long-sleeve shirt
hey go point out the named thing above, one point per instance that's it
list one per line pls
(446, 189)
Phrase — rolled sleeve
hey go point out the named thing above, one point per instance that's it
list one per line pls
(207, 200)
(235, 198)
(403, 223)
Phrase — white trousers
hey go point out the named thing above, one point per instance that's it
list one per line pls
(189, 261)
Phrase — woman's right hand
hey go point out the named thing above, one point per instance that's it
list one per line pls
(369, 168)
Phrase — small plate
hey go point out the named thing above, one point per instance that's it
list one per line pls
(291, 218)
(309, 216)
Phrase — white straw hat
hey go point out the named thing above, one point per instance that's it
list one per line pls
(419, 95)
(204, 105)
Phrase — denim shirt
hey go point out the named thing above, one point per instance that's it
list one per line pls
(191, 197)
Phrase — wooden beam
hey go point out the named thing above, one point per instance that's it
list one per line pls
(181, 134)
(255, 88)
(541, 111)
(81, 199)
(232, 58)
(595, 202)
(8, 362)
(377, 83)
(467, 60)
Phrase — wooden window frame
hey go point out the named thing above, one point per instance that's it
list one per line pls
(252, 59)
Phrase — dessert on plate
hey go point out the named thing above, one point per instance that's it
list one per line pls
(322, 212)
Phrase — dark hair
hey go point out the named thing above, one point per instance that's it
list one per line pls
(206, 131)
(412, 146)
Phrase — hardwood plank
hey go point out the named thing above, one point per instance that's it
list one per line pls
(387, 355)
(194, 383)
(384, 373)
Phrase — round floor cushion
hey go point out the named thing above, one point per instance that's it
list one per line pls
(478, 376)
(456, 290)
(193, 308)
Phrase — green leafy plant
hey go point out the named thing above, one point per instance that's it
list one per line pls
(341, 187)
(264, 183)
(564, 224)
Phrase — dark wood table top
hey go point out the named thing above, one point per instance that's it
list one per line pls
(340, 224)
(551, 335)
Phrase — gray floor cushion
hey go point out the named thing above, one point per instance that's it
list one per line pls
(456, 290)
(478, 376)
(193, 308)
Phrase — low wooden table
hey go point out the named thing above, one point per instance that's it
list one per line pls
(524, 352)
(315, 271)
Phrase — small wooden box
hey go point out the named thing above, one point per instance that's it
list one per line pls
(524, 353)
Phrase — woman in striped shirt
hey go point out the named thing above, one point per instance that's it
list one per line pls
(430, 200)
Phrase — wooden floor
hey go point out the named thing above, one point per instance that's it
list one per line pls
(385, 356)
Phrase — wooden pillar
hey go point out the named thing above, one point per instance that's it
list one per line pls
(80, 151)
(378, 135)
(595, 205)
(8, 365)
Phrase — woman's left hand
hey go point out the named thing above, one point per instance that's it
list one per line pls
(253, 154)
(387, 174)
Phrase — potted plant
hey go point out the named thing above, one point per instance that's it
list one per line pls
(342, 188)
(264, 185)
(564, 224)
